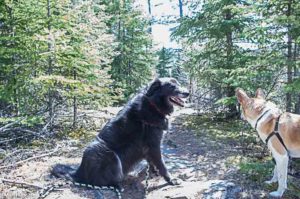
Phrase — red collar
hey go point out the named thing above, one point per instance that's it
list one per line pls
(150, 123)
(162, 113)
(157, 124)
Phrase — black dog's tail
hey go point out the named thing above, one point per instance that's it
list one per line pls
(66, 172)
(63, 171)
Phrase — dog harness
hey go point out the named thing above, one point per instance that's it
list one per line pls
(261, 117)
(274, 132)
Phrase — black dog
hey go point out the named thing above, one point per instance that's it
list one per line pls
(133, 135)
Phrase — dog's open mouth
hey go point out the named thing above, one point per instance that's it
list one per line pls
(177, 101)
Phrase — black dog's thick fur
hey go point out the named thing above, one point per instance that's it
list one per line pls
(133, 135)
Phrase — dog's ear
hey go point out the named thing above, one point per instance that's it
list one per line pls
(154, 86)
(241, 95)
(259, 93)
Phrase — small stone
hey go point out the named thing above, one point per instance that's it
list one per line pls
(221, 189)
(230, 184)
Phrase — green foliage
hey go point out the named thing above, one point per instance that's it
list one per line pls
(81, 134)
(226, 100)
(133, 65)
(211, 40)
(170, 64)
(217, 128)
(164, 66)
(62, 54)
(256, 170)
(229, 44)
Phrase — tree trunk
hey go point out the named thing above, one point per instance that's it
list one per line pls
(296, 75)
(74, 102)
(191, 90)
(230, 92)
(289, 60)
(180, 8)
(50, 96)
(150, 14)
(13, 62)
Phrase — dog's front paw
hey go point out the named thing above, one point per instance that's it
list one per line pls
(175, 181)
(276, 194)
(153, 171)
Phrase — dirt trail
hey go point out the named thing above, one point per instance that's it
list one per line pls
(201, 162)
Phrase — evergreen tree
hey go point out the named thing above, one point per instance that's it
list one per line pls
(212, 36)
(281, 24)
(178, 71)
(133, 65)
(54, 52)
(164, 66)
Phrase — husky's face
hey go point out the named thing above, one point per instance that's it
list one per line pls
(253, 108)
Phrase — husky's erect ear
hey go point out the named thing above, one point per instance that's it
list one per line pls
(154, 86)
(259, 93)
(241, 95)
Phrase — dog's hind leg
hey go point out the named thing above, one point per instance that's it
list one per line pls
(282, 169)
(100, 166)
(274, 178)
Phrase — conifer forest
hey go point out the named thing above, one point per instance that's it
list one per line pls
(68, 66)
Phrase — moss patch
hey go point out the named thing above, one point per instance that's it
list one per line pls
(220, 129)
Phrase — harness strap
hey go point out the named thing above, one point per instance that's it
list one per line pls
(276, 132)
(261, 117)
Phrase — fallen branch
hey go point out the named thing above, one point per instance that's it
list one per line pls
(30, 133)
(3, 128)
(10, 124)
(32, 158)
(11, 154)
(20, 183)
(50, 121)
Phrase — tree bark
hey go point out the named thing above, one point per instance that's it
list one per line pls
(296, 75)
(289, 59)
(150, 14)
(13, 62)
(191, 90)
(230, 92)
(74, 102)
(50, 96)
(180, 8)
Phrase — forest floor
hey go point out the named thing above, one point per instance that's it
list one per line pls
(212, 157)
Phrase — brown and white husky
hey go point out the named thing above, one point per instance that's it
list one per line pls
(268, 120)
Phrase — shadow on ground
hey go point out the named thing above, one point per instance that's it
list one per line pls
(213, 158)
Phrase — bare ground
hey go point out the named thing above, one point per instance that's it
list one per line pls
(210, 159)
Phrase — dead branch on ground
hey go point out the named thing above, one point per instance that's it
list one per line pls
(20, 183)
(31, 158)
(3, 128)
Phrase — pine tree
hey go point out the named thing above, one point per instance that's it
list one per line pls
(281, 19)
(133, 65)
(164, 66)
(210, 40)
(54, 52)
